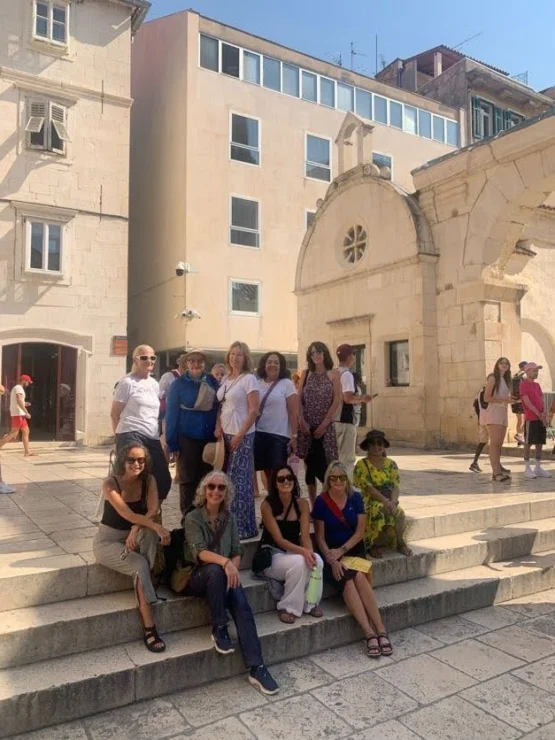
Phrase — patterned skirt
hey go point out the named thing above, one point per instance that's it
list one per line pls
(240, 468)
(380, 527)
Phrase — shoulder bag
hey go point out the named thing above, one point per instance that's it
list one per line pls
(182, 574)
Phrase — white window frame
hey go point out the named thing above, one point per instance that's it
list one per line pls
(384, 154)
(244, 281)
(244, 146)
(50, 39)
(308, 211)
(218, 41)
(52, 112)
(242, 228)
(47, 222)
(317, 164)
(221, 59)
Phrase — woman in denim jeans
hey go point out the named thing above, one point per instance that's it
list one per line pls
(212, 541)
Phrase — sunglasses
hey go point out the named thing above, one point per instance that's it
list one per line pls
(216, 487)
(283, 478)
(144, 358)
(133, 460)
(338, 478)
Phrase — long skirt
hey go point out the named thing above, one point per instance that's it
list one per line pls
(109, 550)
(240, 468)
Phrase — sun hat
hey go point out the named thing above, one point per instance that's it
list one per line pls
(374, 434)
(214, 454)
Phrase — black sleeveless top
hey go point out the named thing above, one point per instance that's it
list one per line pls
(290, 530)
(110, 516)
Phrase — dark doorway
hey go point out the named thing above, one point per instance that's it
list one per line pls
(360, 376)
(52, 395)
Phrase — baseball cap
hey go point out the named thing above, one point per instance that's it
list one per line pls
(532, 366)
(522, 365)
(26, 378)
(344, 351)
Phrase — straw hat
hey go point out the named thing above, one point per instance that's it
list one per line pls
(214, 454)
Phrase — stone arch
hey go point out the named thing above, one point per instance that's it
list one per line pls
(49, 336)
(545, 340)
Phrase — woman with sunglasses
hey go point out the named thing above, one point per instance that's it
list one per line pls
(212, 542)
(286, 537)
(496, 416)
(319, 399)
(135, 412)
(378, 478)
(339, 525)
(127, 536)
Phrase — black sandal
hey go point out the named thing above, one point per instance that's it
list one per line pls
(386, 649)
(373, 651)
(152, 640)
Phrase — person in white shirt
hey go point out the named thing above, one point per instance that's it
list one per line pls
(20, 414)
(135, 411)
(4, 487)
(239, 397)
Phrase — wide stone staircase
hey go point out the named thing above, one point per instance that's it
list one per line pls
(70, 640)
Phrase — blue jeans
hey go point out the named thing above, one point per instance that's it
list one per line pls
(210, 580)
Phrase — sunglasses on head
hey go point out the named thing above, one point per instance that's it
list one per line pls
(132, 460)
(283, 478)
(338, 478)
(144, 358)
(216, 486)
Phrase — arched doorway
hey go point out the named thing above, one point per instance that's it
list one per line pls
(53, 393)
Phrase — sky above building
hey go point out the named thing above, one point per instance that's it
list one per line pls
(513, 35)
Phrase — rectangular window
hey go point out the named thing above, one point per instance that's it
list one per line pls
(395, 114)
(209, 53)
(452, 133)
(291, 80)
(245, 297)
(318, 158)
(244, 231)
(439, 128)
(425, 124)
(230, 60)
(251, 67)
(44, 246)
(399, 363)
(512, 119)
(309, 218)
(363, 103)
(272, 74)
(310, 87)
(483, 119)
(382, 160)
(345, 97)
(46, 126)
(245, 146)
(411, 120)
(380, 109)
(327, 92)
(51, 21)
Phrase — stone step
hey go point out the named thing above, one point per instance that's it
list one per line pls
(59, 690)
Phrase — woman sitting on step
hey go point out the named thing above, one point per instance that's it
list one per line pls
(127, 535)
(286, 554)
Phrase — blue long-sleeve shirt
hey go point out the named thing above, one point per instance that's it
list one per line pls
(186, 421)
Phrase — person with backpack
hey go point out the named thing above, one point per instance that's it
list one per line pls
(516, 405)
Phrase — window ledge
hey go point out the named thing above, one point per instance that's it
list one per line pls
(45, 46)
(48, 278)
(43, 211)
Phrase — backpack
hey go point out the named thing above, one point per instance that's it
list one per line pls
(480, 403)
(515, 389)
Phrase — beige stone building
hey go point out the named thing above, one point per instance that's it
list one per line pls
(64, 161)
(233, 143)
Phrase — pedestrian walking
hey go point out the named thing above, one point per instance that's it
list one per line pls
(536, 420)
(496, 416)
(516, 405)
(19, 412)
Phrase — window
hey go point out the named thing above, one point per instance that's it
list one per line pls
(512, 119)
(395, 114)
(452, 133)
(272, 74)
(354, 245)
(244, 297)
(489, 120)
(46, 126)
(327, 92)
(399, 363)
(291, 80)
(382, 160)
(44, 246)
(411, 120)
(244, 144)
(380, 109)
(345, 97)
(425, 124)
(310, 87)
(230, 60)
(309, 218)
(209, 53)
(318, 158)
(51, 21)
(244, 231)
(438, 128)
(251, 67)
(363, 104)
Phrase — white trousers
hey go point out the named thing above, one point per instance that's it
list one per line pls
(292, 569)
(346, 445)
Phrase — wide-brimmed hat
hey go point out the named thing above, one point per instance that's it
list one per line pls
(214, 454)
(374, 434)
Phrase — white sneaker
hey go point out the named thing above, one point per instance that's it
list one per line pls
(541, 473)
(5, 488)
(529, 473)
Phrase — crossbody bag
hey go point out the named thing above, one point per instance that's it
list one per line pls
(182, 574)
(352, 562)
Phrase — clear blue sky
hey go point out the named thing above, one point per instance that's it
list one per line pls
(517, 35)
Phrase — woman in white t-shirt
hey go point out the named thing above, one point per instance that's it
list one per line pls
(276, 426)
(135, 412)
(240, 397)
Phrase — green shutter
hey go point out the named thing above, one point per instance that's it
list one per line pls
(477, 129)
(506, 119)
(498, 120)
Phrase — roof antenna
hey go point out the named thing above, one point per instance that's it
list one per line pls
(336, 58)
(471, 38)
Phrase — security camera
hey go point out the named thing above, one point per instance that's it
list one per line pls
(189, 314)
(180, 269)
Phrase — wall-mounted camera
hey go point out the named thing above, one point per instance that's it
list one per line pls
(180, 269)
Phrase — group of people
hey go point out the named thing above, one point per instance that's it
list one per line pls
(220, 431)
(525, 396)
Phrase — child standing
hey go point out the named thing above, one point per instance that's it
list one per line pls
(535, 416)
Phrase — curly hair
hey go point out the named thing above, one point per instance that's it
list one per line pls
(121, 459)
(248, 365)
(200, 495)
(319, 347)
(261, 370)
(336, 464)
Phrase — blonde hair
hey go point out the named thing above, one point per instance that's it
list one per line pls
(248, 365)
(337, 464)
(200, 495)
(137, 352)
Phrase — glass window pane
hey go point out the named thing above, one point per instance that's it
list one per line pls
(439, 129)
(55, 141)
(425, 124)
(364, 103)
(244, 297)
(242, 154)
(310, 216)
(244, 238)
(230, 60)
(244, 213)
(272, 74)
(345, 97)
(59, 15)
(318, 173)
(41, 27)
(381, 160)
(453, 133)
(209, 53)
(42, 10)
(310, 90)
(411, 120)
(395, 114)
(59, 32)
(399, 363)
(244, 130)
(54, 247)
(318, 150)
(251, 67)
(291, 80)
(327, 92)
(37, 231)
(380, 109)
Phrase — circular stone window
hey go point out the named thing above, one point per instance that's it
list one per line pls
(354, 245)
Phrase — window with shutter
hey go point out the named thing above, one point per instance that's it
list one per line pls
(46, 126)
(35, 125)
(58, 129)
(477, 128)
(499, 122)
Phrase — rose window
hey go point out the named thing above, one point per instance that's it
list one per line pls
(354, 245)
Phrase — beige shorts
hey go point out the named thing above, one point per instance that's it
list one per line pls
(483, 434)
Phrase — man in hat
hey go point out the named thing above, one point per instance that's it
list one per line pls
(531, 395)
(19, 414)
(516, 406)
(191, 414)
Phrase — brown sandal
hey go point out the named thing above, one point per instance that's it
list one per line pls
(316, 611)
(286, 617)
(375, 552)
